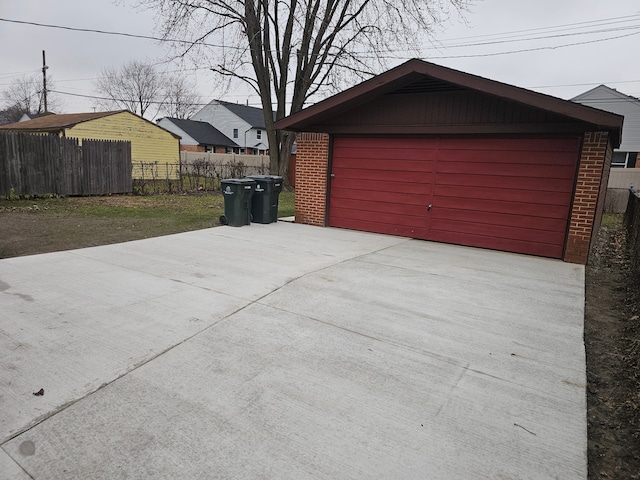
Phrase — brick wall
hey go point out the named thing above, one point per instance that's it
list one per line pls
(602, 192)
(312, 160)
(191, 148)
(593, 174)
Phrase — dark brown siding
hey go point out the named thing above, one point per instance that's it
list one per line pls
(450, 111)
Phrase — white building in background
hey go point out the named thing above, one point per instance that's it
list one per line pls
(605, 98)
(242, 124)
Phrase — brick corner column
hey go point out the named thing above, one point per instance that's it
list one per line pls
(312, 161)
(589, 199)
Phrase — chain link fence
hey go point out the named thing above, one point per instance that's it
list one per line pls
(197, 175)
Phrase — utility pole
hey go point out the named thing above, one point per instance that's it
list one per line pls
(44, 81)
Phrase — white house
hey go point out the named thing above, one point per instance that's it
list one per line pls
(242, 124)
(605, 98)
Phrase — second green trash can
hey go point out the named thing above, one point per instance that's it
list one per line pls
(264, 203)
(237, 194)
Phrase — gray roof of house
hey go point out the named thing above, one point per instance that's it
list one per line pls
(203, 132)
(252, 115)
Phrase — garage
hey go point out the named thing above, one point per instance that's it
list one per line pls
(504, 194)
(431, 153)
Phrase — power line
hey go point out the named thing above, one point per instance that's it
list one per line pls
(509, 52)
(4, 76)
(560, 35)
(154, 102)
(110, 99)
(584, 84)
(504, 37)
(122, 34)
(498, 40)
(604, 21)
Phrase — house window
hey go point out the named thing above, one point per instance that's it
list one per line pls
(624, 159)
(235, 133)
(259, 134)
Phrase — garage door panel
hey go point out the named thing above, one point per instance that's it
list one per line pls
(507, 170)
(517, 208)
(373, 186)
(561, 144)
(497, 219)
(508, 157)
(384, 197)
(509, 194)
(387, 229)
(502, 194)
(522, 183)
(378, 217)
(497, 231)
(376, 143)
(395, 164)
(495, 243)
(385, 154)
(382, 175)
(395, 208)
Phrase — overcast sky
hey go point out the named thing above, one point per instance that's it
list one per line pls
(580, 52)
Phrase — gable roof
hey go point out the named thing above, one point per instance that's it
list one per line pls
(418, 75)
(611, 100)
(252, 115)
(602, 93)
(54, 122)
(27, 116)
(58, 122)
(202, 132)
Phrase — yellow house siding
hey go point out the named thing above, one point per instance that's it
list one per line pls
(151, 145)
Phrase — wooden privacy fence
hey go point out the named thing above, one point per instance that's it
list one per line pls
(32, 164)
(620, 180)
(632, 222)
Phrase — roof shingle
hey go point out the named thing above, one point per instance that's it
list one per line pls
(252, 115)
(57, 122)
(203, 132)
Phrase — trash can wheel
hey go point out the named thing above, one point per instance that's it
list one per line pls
(223, 220)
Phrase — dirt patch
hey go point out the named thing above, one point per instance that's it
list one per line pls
(51, 225)
(612, 340)
(28, 234)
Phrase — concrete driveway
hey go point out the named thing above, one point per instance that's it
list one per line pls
(287, 351)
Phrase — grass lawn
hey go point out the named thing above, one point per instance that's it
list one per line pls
(44, 225)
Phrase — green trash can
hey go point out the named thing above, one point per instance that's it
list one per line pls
(264, 203)
(237, 194)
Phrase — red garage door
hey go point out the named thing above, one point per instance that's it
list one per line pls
(505, 194)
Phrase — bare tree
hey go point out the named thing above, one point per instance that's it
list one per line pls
(11, 114)
(25, 95)
(180, 99)
(290, 50)
(135, 87)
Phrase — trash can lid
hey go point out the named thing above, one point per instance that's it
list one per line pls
(238, 181)
(262, 178)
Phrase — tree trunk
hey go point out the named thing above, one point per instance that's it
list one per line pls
(286, 144)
